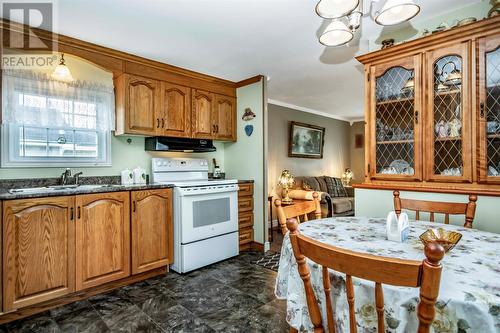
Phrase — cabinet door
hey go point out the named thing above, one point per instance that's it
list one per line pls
(38, 250)
(202, 115)
(141, 110)
(448, 124)
(102, 238)
(489, 110)
(225, 117)
(395, 120)
(175, 110)
(152, 229)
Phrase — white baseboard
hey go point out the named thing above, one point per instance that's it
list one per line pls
(267, 246)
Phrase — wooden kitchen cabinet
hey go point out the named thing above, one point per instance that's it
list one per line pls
(38, 250)
(137, 105)
(202, 114)
(152, 229)
(245, 215)
(102, 238)
(175, 111)
(225, 117)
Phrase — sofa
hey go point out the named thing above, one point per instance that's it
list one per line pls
(336, 200)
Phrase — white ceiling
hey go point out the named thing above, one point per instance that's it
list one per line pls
(237, 39)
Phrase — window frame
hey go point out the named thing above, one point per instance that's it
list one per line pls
(9, 146)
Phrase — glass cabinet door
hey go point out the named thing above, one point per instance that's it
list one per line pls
(489, 110)
(448, 142)
(395, 102)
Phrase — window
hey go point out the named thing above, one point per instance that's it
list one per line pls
(51, 123)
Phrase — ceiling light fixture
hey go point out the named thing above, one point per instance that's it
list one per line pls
(62, 72)
(330, 9)
(336, 33)
(396, 11)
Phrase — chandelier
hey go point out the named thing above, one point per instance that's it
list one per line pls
(346, 17)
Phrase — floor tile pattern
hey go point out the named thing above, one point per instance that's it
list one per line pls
(231, 296)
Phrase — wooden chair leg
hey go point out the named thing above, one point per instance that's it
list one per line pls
(293, 330)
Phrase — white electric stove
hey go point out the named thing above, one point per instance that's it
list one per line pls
(205, 212)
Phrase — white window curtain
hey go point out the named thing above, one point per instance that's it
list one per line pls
(46, 122)
(35, 99)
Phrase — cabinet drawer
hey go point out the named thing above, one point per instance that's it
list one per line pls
(246, 235)
(245, 204)
(245, 189)
(245, 220)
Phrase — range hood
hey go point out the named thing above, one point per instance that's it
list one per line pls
(186, 145)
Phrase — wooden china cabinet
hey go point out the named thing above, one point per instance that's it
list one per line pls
(432, 110)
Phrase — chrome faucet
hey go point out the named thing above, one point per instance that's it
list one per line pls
(65, 175)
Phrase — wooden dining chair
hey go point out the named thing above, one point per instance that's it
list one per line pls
(299, 210)
(425, 275)
(432, 207)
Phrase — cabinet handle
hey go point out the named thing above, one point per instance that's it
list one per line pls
(133, 206)
(416, 117)
(71, 213)
(368, 167)
(481, 109)
(157, 122)
(217, 128)
(79, 213)
(162, 122)
(213, 129)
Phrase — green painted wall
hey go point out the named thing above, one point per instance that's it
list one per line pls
(245, 159)
(378, 203)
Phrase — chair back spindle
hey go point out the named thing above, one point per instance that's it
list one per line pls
(425, 275)
(433, 207)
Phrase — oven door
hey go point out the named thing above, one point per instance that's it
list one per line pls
(207, 212)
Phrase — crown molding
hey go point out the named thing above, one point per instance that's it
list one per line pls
(313, 111)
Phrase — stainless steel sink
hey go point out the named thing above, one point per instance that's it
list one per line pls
(53, 188)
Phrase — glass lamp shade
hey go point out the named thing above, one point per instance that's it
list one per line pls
(347, 177)
(396, 11)
(336, 34)
(62, 72)
(335, 8)
(286, 181)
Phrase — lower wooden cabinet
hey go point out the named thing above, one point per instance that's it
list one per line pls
(152, 229)
(38, 250)
(102, 238)
(245, 215)
(52, 247)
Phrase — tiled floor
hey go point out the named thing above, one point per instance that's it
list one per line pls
(231, 296)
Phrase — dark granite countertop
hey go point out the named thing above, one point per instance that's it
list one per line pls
(242, 181)
(39, 187)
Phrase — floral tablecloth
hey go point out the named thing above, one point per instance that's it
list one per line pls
(469, 296)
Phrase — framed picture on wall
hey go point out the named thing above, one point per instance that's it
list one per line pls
(306, 140)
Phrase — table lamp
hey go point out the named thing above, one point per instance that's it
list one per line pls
(347, 177)
(286, 181)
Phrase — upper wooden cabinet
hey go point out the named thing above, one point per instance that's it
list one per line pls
(203, 115)
(175, 110)
(432, 111)
(102, 238)
(225, 117)
(152, 229)
(38, 250)
(137, 104)
(158, 108)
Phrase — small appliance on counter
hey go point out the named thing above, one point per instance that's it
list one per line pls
(127, 177)
(217, 172)
(205, 212)
(139, 175)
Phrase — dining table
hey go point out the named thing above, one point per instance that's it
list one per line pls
(469, 294)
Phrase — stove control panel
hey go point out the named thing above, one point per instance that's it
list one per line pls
(179, 164)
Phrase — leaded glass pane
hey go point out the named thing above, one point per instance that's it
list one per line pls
(492, 108)
(448, 119)
(395, 102)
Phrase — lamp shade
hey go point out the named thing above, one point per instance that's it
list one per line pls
(347, 177)
(335, 8)
(286, 179)
(336, 34)
(396, 11)
(62, 72)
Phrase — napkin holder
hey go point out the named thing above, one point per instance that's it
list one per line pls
(397, 228)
